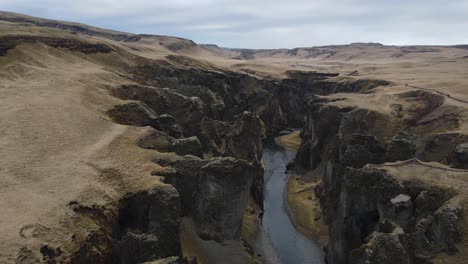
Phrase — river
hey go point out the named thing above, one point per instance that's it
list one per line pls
(291, 246)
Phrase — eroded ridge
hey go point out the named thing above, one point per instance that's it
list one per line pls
(411, 207)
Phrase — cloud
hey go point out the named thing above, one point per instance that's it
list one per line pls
(268, 24)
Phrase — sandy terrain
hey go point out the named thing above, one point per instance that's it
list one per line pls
(207, 251)
(305, 208)
(292, 140)
(303, 203)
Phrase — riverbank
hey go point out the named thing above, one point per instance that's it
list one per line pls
(303, 205)
(305, 210)
(210, 251)
(292, 246)
(292, 141)
(264, 243)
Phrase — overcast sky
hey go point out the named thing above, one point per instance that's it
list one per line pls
(268, 23)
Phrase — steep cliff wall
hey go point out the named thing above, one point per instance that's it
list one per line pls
(210, 145)
(229, 114)
(396, 212)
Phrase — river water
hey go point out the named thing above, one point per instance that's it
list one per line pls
(291, 246)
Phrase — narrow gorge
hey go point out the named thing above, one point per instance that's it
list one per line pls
(216, 123)
(154, 149)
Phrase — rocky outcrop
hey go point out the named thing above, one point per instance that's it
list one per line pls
(184, 174)
(185, 146)
(168, 125)
(442, 147)
(142, 227)
(5, 47)
(221, 198)
(399, 149)
(214, 192)
(133, 114)
(199, 106)
(460, 159)
(8, 42)
(188, 111)
(162, 142)
(279, 103)
(179, 115)
(148, 226)
(375, 214)
(244, 140)
(382, 220)
(323, 84)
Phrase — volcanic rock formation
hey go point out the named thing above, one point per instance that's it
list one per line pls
(401, 212)
(115, 138)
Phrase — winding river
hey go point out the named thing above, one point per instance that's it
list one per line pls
(291, 246)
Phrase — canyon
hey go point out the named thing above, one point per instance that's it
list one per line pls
(131, 148)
